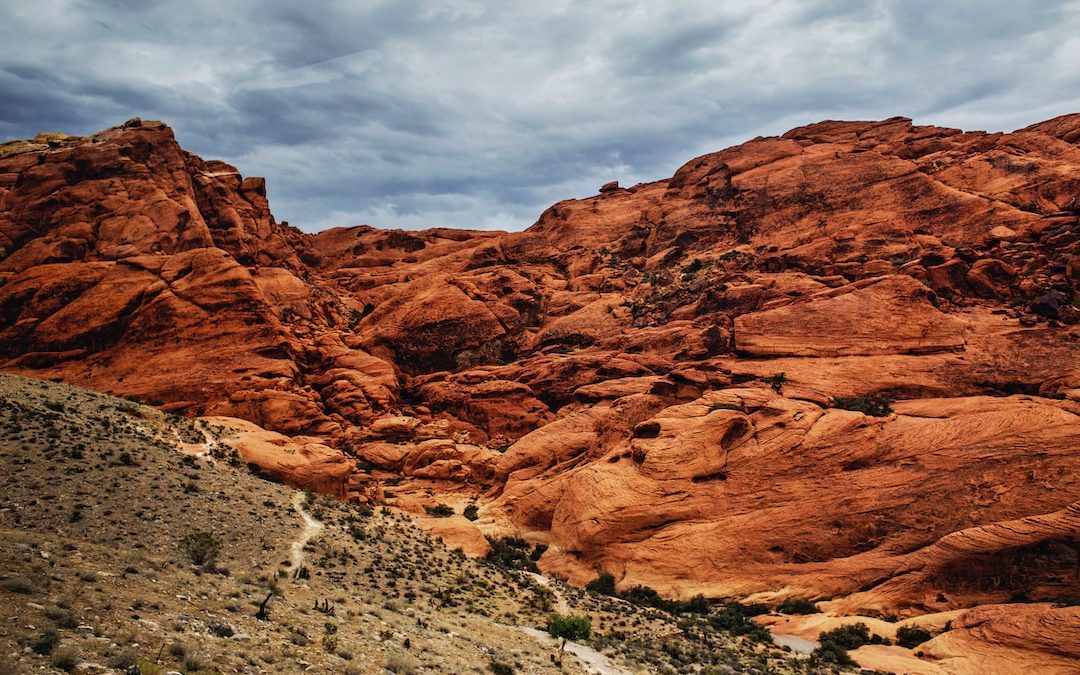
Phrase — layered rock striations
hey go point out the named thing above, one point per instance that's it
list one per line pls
(668, 382)
(136, 268)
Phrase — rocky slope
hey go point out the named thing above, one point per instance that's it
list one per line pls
(668, 382)
(98, 497)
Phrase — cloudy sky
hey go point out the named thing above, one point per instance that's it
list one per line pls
(415, 113)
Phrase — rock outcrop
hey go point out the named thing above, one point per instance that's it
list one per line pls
(674, 382)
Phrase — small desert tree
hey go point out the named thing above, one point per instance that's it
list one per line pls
(569, 627)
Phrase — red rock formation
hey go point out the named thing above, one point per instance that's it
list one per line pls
(646, 379)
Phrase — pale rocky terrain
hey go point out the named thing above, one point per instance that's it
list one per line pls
(838, 365)
(97, 494)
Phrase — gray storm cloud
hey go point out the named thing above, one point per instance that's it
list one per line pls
(324, 72)
(480, 114)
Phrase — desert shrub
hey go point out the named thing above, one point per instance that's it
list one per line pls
(735, 618)
(65, 659)
(643, 595)
(330, 643)
(538, 552)
(501, 667)
(542, 598)
(832, 653)
(124, 660)
(777, 381)
(797, 606)
(20, 585)
(603, 584)
(440, 511)
(874, 406)
(1067, 601)
(850, 636)
(64, 618)
(751, 608)
(472, 512)
(570, 627)
(695, 605)
(511, 553)
(194, 662)
(202, 548)
(694, 266)
(912, 636)
(46, 642)
(257, 471)
(648, 597)
(400, 664)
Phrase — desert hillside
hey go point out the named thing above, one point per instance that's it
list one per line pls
(840, 365)
(104, 505)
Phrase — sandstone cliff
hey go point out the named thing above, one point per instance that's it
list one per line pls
(668, 382)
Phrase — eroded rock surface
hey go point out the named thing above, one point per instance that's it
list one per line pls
(652, 381)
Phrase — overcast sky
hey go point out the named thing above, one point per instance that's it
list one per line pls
(417, 113)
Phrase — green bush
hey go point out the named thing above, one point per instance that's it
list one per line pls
(471, 512)
(912, 636)
(603, 584)
(735, 618)
(851, 636)
(511, 553)
(648, 597)
(643, 595)
(696, 605)
(440, 511)
(575, 628)
(797, 606)
(874, 406)
(202, 548)
(832, 653)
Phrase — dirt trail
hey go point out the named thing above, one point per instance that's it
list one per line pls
(312, 528)
(593, 661)
(561, 605)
